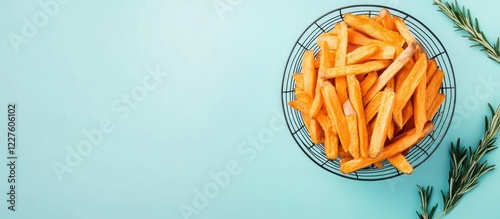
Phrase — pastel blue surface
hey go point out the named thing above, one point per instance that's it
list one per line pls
(175, 107)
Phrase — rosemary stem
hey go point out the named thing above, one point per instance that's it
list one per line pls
(439, 216)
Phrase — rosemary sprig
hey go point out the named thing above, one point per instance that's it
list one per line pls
(463, 20)
(466, 168)
(425, 198)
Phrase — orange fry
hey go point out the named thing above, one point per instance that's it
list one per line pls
(358, 38)
(343, 160)
(309, 73)
(387, 19)
(329, 38)
(352, 125)
(340, 61)
(355, 69)
(361, 54)
(404, 31)
(315, 131)
(381, 123)
(367, 82)
(300, 106)
(433, 87)
(331, 145)
(383, 52)
(390, 129)
(355, 97)
(379, 165)
(324, 64)
(399, 161)
(438, 100)
(401, 76)
(324, 121)
(303, 96)
(419, 107)
(316, 104)
(372, 107)
(335, 112)
(299, 80)
(374, 29)
(341, 58)
(431, 69)
(407, 112)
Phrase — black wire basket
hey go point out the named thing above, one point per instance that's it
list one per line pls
(418, 153)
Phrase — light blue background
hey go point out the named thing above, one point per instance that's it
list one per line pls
(222, 86)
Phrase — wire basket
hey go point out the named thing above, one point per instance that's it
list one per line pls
(418, 153)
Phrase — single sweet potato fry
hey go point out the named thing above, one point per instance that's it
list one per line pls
(361, 54)
(387, 19)
(383, 52)
(372, 107)
(324, 121)
(407, 112)
(358, 38)
(324, 64)
(299, 80)
(401, 76)
(303, 96)
(341, 86)
(374, 29)
(391, 84)
(431, 69)
(382, 122)
(419, 107)
(343, 160)
(309, 72)
(341, 60)
(352, 125)
(355, 97)
(300, 106)
(335, 30)
(433, 87)
(390, 129)
(335, 112)
(329, 38)
(368, 82)
(379, 165)
(316, 104)
(331, 145)
(307, 123)
(355, 69)
(399, 161)
(315, 131)
(404, 31)
(376, 18)
(438, 100)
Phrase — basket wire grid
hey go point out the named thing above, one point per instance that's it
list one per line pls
(421, 151)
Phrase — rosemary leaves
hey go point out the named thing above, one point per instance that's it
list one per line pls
(463, 20)
(466, 167)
